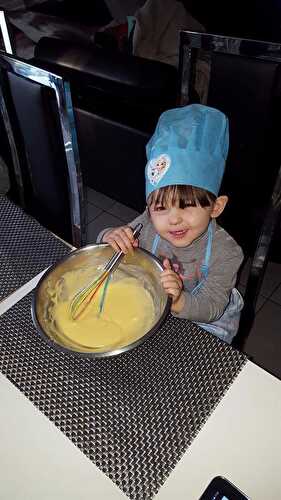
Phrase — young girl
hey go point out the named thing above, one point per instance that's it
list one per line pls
(186, 161)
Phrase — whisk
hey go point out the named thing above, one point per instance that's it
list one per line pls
(82, 299)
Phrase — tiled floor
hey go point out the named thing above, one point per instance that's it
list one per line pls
(264, 342)
(104, 212)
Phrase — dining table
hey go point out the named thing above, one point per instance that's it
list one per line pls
(157, 422)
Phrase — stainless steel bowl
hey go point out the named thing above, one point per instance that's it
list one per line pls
(148, 272)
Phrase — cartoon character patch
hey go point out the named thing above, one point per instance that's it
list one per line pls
(157, 168)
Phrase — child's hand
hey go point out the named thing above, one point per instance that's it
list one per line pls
(173, 285)
(121, 238)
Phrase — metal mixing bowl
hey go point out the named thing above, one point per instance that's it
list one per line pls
(148, 272)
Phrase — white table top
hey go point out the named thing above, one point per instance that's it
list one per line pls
(37, 461)
(241, 441)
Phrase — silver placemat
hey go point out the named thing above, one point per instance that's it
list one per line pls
(133, 415)
(26, 247)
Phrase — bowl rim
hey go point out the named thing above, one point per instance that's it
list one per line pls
(84, 354)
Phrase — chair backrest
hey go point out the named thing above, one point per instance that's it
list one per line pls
(6, 42)
(37, 111)
(245, 83)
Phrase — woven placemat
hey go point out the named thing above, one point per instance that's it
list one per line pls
(26, 247)
(133, 415)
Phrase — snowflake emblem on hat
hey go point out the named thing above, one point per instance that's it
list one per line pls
(157, 168)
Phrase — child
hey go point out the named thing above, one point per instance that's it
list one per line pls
(186, 161)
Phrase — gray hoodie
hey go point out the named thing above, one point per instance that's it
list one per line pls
(226, 257)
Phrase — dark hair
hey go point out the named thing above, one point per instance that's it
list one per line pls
(183, 195)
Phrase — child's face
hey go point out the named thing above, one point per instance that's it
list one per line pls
(180, 226)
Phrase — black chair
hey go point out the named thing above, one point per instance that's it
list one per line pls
(38, 116)
(244, 83)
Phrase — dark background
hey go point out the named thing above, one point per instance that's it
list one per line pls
(260, 19)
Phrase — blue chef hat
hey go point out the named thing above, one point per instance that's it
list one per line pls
(189, 147)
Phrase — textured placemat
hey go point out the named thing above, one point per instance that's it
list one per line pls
(133, 415)
(26, 247)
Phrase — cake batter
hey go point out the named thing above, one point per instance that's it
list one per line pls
(127, 314)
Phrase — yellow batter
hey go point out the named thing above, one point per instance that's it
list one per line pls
(127, 314)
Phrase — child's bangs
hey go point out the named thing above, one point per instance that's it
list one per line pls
(182, 196)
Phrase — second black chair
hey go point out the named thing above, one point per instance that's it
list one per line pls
(244, 83)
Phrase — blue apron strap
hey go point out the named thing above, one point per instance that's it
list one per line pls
(205, 266)
(155, 244)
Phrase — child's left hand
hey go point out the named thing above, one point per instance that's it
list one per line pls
(171, 282)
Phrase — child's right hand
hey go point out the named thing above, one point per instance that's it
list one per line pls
(121, 238)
